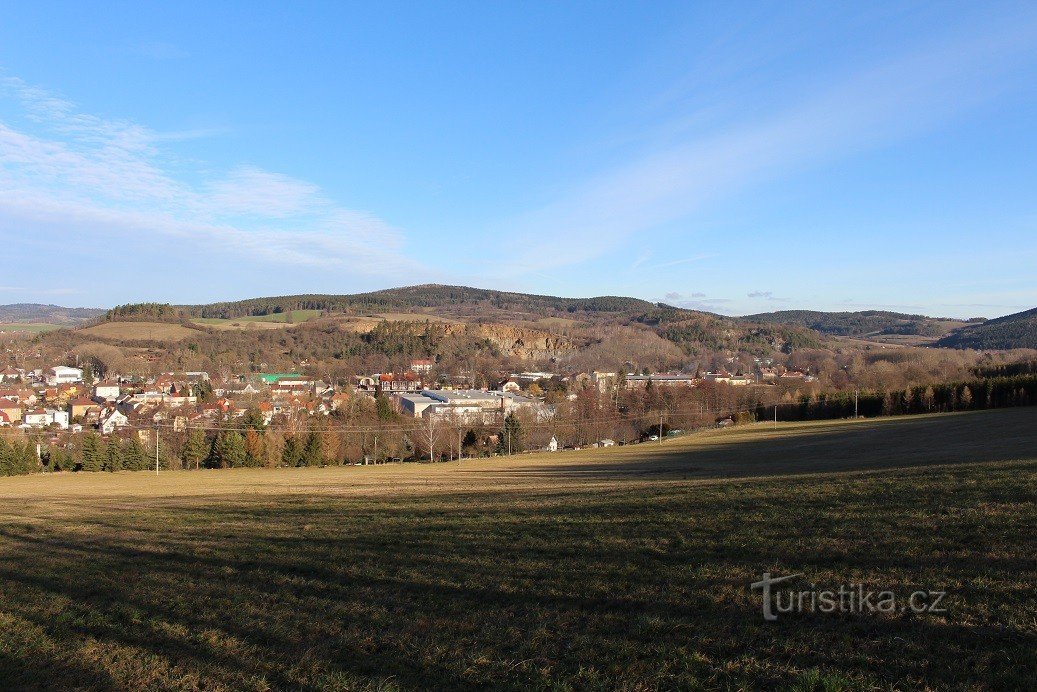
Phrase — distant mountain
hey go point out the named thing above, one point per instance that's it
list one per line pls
(598, 320)
(867, 323)
(439, 296)
(1011, 331)
(46, 314)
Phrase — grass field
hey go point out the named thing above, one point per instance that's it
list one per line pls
(272, 321)
(141, 331)
(624, 568)
(29, 327)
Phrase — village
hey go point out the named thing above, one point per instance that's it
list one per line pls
(67, 398)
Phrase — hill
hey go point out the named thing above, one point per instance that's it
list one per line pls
(434, 320)
(1018, 330)
(866, 323)
(39, 313)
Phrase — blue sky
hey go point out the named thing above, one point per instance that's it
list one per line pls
(732, 157)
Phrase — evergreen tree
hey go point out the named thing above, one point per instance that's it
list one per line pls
(93, 455)
(292, 452)
(113, 455)
(230, 450)
(135, 457)
(312, 451)
(510, 439)
(254, 420)
(194, 451)
(6, 458)
(384, 408)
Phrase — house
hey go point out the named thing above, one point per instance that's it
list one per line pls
(11, 409)
(641, 381)
(10, 374)
(111, 420)
(41, 418)
(509, 385)
(107, 391)
(63, 375)
(80, 407)
(552, 446)
(35, 418)
(421, 365)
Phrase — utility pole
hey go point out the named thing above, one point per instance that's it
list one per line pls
(660, 427)
(855, 404)
(375, 449)
(156, 449)
(775, 415)
(458, 446)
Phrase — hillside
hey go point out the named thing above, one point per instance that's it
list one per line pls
(1018, 330)
(38, 313)
(866, 323)
(456, 325)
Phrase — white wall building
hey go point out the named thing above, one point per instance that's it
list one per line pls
(63, 375)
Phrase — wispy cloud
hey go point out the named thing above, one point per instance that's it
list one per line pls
(70, 170)
(881, 103)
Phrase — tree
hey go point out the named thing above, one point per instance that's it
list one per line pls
(112, 455)
(254, 448)
(135, 457)
(194, 451)
(230, 450)
(428, 436)
(254, 419)
(966, 397)
(510, 438)
(384, 408)
(93, 456)
(291, 452)
(312, 451)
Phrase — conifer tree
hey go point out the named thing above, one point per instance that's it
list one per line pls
(112, 455)
(92, 453)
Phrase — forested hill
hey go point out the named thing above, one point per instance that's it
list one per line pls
(866, 322)
(1018, 330)
(470, 300)
(46, 314)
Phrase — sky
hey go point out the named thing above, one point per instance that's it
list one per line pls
(731, 157)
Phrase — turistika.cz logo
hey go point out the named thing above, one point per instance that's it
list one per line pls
(848, 598)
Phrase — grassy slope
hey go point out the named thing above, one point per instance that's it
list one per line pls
(611, 568)
(29, 327)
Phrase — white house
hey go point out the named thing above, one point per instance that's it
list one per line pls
(110, 420)
(552, 446)
(107, 392)
(63, 375)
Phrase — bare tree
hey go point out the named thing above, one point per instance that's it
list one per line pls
(430, 434)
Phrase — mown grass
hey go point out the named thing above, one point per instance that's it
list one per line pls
(515, 578)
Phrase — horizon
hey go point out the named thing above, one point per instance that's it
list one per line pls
(482, 288)
(737, 160)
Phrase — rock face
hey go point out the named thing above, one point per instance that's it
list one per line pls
(524, 343)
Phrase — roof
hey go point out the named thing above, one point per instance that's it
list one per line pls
(272, 377)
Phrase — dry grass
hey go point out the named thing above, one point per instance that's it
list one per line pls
(608, 569)
(140, 331)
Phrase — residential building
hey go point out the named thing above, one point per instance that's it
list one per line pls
(63, 375)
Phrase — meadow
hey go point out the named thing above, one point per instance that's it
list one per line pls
(621, 568)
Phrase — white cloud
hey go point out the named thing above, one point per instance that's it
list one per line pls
(73, 172)
(908, 94)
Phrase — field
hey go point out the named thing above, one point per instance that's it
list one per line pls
(621, 568)
(29, 327)
(363, 323)
(273, 321)
(141, 331)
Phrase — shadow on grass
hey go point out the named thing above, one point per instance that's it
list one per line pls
(644, 587)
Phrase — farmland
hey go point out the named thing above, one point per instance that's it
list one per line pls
(614, 568)
(140, 331)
